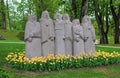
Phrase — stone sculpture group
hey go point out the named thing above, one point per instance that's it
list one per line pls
(58, 36)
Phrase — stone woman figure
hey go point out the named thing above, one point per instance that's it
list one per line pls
(78, 39)
(68, 34)
(89, 34)
(59, 34)
(32, 38)
(48, 35)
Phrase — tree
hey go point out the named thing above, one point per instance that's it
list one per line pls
(101, 9)
(3, 14)
(7, 14)
(74, 8)
(115, 9)
(40, 5)
(84, 9)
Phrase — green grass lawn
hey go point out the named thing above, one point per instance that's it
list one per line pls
(98, 72)
(111, 71)
(106, 49)
(115, 45)
(11, 35)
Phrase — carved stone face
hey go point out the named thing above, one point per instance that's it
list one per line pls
(30, 18)
(86, 19)
(45, 15)
(58, 16)
(76, 22)
(65, 17)
(34, 17)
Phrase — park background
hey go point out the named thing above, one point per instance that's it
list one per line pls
(104, 14)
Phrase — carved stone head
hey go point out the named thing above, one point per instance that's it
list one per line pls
(76, 22)
(86, 19)
(30, 18)
(34, 18)
(58, 16)
(65, 17)
(45, 15)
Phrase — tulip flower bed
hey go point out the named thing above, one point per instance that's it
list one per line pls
(60, 62)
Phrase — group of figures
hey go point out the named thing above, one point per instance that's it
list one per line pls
(58, 36)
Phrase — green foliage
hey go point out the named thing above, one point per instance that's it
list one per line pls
(116, 2)
(52, 6)
(12, 35)
(4, 74)
(21, 36)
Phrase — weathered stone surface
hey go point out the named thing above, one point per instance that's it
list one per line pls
(89, 34)
(78, 38)
(32, 37)
(48, 35)
(59, 34)
(68, 34)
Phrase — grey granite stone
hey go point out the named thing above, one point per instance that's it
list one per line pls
(59, 34)
(89, 35)
(78, 38)
(48, 35)
(32, 38)
(68, 34)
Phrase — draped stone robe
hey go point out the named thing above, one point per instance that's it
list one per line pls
(47, 30)
(32, 38)
(59, 35)
(68, 34)
(36, 40)
(78, 38)
(89, 35)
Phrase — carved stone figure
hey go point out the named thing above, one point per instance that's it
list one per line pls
(89, 34)
(78, 38)
(59, 34)
(68, 34)
(48, 35)
(32, 38)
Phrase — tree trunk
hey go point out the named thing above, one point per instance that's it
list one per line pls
(38, 9)
(14, 26)
(43, 5)
(3, 15)
(106, 38)
(107, 25)
(116, 18)
(117, 32)
(100, 22)
(74, 8)
(8, 14)
(84, 9)
(30, 7)
(3, 20)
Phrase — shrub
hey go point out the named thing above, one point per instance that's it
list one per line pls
(21, 35)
